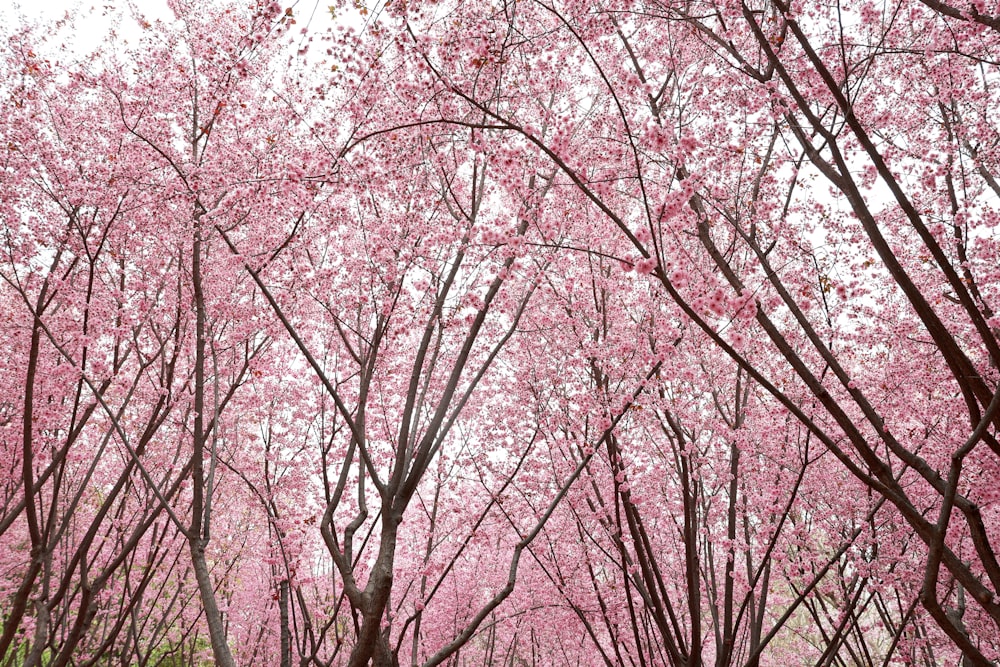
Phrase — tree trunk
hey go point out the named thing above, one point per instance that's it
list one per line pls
(216, 629)
(198, 535)
(286, 635)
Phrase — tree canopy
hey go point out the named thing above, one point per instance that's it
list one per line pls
(521, 332)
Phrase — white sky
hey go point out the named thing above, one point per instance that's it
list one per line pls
(93, 18)
(93, 23)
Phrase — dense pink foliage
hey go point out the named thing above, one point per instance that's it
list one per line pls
(577, 333)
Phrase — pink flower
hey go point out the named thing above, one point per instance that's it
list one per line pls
(645, 266)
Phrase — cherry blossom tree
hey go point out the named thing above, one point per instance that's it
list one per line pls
(124, 372)
(618, 333)
(773, 171)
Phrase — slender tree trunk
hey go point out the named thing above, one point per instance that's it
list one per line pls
(216, 628)
(198, 536)
(42, 618)
(286, 635)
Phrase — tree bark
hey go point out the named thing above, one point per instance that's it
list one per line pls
(286, 635)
